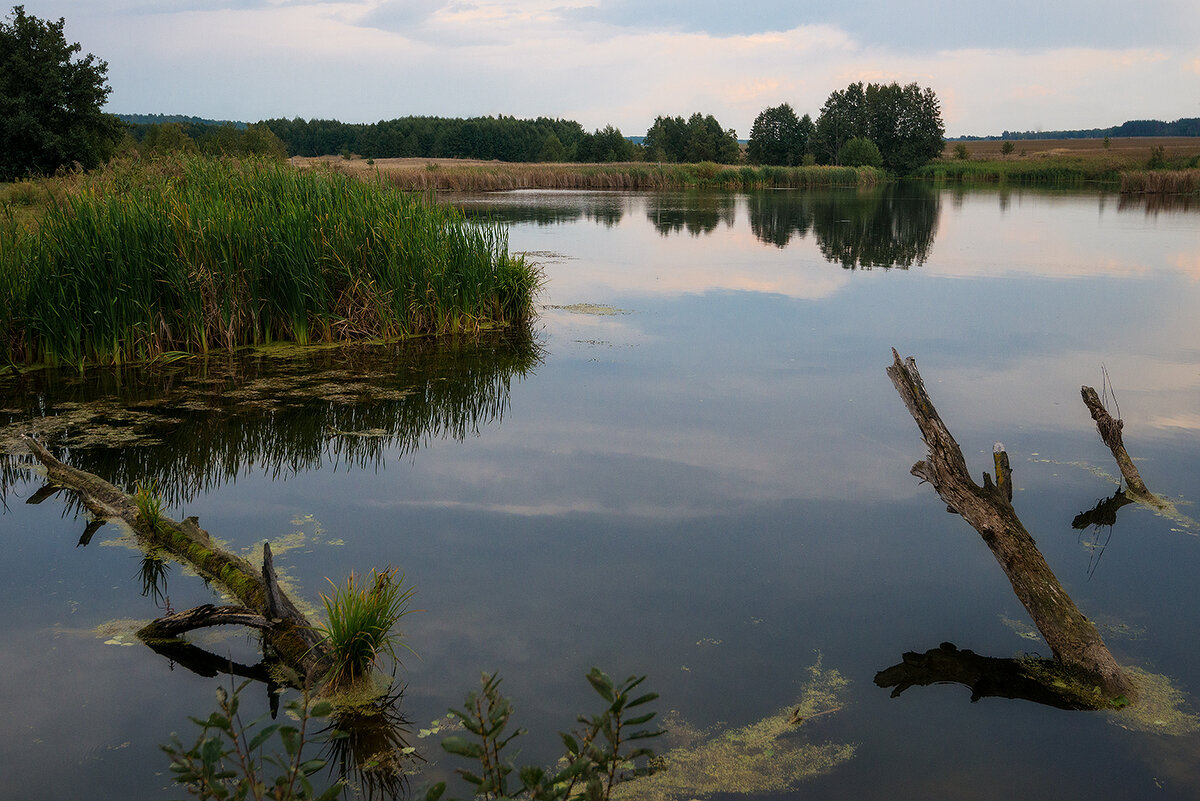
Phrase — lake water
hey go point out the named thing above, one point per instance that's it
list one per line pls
(695, 468)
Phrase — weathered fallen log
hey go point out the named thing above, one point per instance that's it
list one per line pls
(264, 605)
(1073, 639)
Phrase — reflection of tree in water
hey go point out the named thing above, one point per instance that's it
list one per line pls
(696, 212)
(775, 217)
(892, 226)
(197, 424)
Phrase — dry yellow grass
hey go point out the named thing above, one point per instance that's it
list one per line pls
(1133, 148)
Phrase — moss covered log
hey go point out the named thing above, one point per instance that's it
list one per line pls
(285, 629)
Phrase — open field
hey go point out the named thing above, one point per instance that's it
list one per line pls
(1135, 148)
(1159, 165)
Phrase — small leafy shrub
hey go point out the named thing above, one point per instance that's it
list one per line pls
(1158, 158)
(707, 170)
(1007, 148)
(226, 760)
(960, 152)
(599, 755)
(860, 152)
(361, 616)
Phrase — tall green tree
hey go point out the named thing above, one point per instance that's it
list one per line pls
(50, 100)
(778, 137)
(700, 138)
(905, 123)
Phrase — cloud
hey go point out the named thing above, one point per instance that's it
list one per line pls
(626, 63)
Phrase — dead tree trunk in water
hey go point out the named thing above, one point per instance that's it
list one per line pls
(264, 605)
(1073, 639)
(1110, 432)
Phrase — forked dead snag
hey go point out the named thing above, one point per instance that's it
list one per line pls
(1073, 639)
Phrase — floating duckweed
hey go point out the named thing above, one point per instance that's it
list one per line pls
(1021, 629)
(766, 757)
(1159, 708)
(121, 631)
(595, 309)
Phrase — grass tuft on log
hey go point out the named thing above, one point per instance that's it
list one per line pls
(361, 615)
(192, 254)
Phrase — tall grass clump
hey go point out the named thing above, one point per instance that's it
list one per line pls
(193, 254)
(361, 615)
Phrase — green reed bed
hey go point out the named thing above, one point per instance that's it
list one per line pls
(1061, 171)
(146, 258)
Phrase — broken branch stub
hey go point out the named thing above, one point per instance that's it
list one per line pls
(1073, 639)
(1109, 429)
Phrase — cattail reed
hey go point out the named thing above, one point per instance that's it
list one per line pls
(197, 254)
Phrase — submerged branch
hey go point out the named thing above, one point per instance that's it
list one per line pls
(1073, 639)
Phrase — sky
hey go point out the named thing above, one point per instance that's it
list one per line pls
(1003, 65)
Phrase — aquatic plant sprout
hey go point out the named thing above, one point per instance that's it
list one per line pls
(361, 615)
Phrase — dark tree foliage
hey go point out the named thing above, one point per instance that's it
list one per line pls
(860, 152)
(843, 117)
(905, 123)
(1186, 126)
(225, 139)
(501, 138)
(778, 137)
(50, 100)
(700, 138)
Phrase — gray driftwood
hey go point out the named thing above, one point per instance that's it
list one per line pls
(1073, 639)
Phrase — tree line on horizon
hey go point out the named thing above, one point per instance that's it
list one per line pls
(51, 101)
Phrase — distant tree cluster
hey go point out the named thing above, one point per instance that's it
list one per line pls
(502, 138)
(699, 138)
(780, 138)
(1186, 126)
(895, 127)
(50, 100)
(217, 140)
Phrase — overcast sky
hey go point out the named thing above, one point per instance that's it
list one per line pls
(999, 64)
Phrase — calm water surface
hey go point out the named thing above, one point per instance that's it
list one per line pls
(694, 468)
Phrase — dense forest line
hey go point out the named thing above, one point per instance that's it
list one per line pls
(1186, 126)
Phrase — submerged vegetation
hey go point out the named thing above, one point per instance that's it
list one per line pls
(144, 258)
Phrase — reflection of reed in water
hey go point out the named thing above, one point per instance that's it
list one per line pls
(194, 425)
(371, 751)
